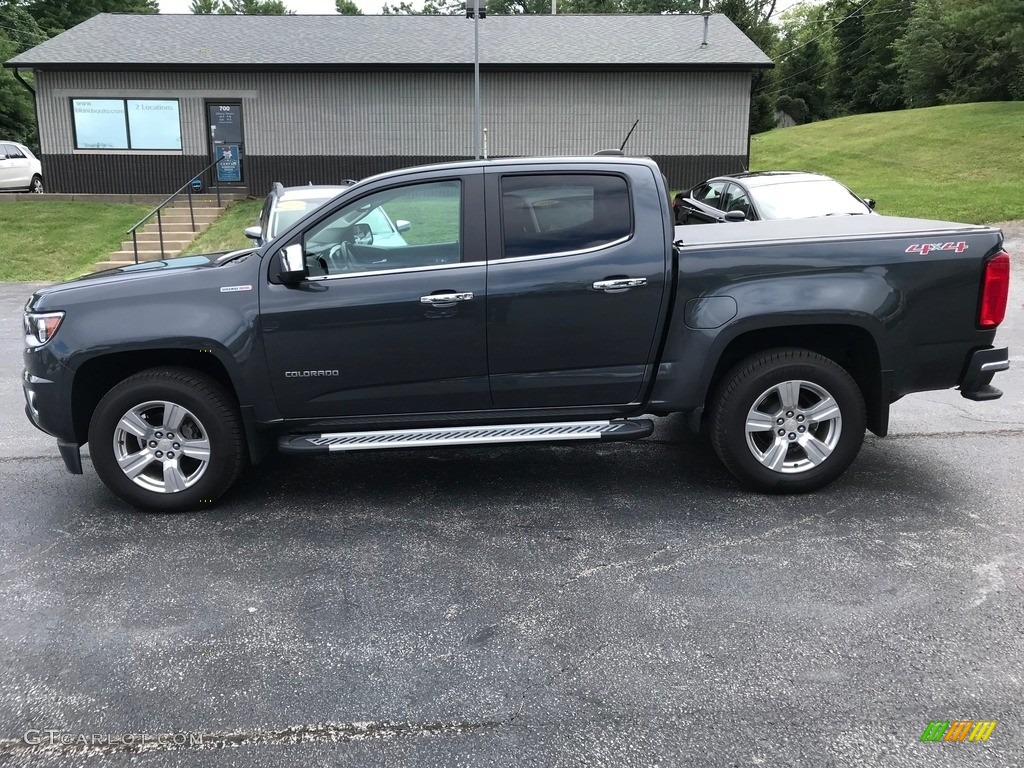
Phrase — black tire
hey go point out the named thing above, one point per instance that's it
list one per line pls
(36, 185)
(210, 423)
(814, 446)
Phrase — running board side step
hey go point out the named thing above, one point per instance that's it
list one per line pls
(618, 429)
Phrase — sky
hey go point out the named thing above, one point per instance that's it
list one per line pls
(366, 6)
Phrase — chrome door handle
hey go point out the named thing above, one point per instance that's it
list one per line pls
(619, 284)
(446, 298)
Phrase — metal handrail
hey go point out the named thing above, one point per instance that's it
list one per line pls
(159, 222)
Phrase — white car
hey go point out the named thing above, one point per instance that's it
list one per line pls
(20, 170)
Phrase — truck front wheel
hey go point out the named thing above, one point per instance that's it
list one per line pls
(787, 421)
(167, 440)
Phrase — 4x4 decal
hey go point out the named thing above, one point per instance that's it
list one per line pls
(925, 248)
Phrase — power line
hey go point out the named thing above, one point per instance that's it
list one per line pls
(838, 51)
(834, 69)
(837, 24)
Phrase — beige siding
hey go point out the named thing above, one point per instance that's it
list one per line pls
(431, 114)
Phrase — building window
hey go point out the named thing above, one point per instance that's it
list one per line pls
(127, 124)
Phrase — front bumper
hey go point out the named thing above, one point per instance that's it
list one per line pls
(982, 365)
(47, 388)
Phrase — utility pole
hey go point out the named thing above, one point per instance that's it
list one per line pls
(477, 9)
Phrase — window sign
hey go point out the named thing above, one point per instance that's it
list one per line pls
(229, 163)
(154, 124)
(127, 123)
(100, 124)
(225, 123)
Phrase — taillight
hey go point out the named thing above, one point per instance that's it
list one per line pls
(995, 287)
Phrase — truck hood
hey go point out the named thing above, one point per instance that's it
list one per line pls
(151, 270)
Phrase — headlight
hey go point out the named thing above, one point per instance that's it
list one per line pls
(40, 327)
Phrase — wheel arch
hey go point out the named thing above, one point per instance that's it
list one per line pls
(96, 376)
(852, 347)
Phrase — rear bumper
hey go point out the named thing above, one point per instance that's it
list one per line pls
(982, 365)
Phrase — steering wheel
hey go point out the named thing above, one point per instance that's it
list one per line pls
(340, 259)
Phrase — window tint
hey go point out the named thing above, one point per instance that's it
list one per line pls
(736, 200)
(365, 235)
(290, 211)
(561, 213)
(710, 194)
(13, 152)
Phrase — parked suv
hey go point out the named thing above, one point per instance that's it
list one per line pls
(286, 205)
(19, 169)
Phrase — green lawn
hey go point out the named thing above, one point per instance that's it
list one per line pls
(226, 233)
(963, 162)
(44, 241)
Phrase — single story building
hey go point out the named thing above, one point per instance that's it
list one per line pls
(141, 103)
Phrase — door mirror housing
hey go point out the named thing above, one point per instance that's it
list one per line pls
(402, 225)
(292, 263)
(254, 232)
(870, 203)
(735, 216)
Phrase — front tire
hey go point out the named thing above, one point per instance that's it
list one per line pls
(787, 421)
(167, 440)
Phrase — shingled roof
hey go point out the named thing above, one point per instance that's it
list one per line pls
(231, 43)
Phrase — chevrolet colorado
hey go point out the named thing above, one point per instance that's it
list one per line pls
(531, 300)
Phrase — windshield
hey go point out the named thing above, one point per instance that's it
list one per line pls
(797, 200)
(288, 212)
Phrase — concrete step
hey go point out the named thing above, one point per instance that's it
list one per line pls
(154, 237)
(179, 214)
(169, 245)
(174, 226)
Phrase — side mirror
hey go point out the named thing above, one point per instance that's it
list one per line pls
(870, 203)
(735, 216)
(402, 225)
(292, 265)
(254, 232)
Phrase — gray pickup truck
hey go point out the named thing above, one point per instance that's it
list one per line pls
(531, 300)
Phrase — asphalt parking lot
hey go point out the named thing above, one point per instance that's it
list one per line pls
(595, 605)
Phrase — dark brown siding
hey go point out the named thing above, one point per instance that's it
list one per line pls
(119, 174)
(163, 174)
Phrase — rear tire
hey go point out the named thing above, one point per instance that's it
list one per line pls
(36, 185)
(167, 440)
(787, 421)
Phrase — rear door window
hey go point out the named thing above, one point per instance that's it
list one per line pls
(563, 213)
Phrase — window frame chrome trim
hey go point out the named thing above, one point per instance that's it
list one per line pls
(403, 270)
(560, 254)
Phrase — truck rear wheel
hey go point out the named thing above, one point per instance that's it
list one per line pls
(167, 440)
(787, 421)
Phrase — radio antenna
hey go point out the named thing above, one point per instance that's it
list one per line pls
(623, 144)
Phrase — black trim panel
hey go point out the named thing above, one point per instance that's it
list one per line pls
(135, 173)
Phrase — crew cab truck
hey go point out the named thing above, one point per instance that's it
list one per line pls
(533, 300)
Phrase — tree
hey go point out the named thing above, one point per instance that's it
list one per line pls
(804, 58)
(254, 8)
(205, 6)
(754, 19)
(18, 32)
(347, 8)
(54, 16)
(957, 51)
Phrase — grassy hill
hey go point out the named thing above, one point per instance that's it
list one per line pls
(963, 162)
